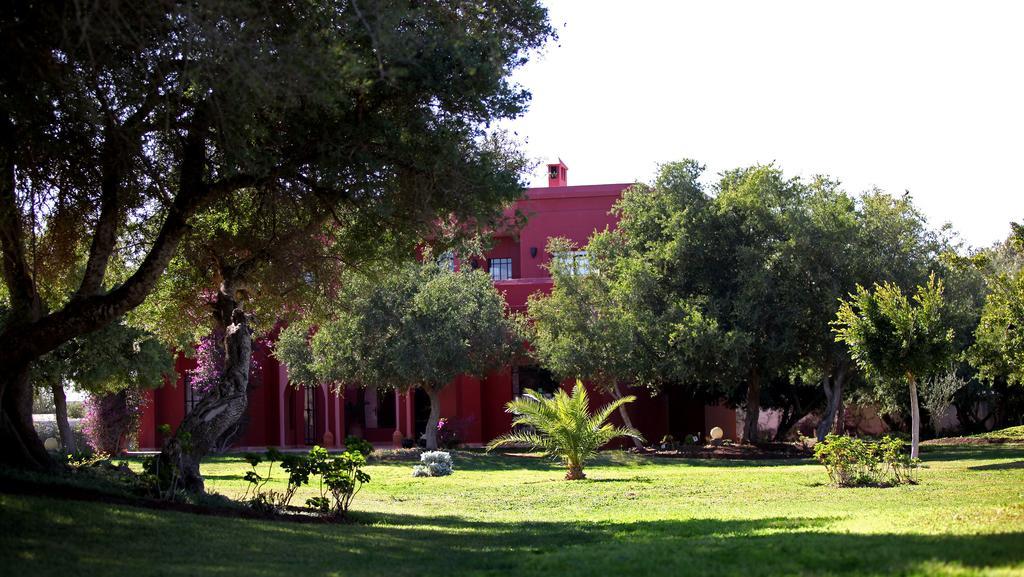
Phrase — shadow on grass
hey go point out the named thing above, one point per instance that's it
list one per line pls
(47, 537)
(998, 466)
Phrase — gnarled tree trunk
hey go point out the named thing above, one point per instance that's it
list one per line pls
(430, 435)
(751, 434)
(219, 410)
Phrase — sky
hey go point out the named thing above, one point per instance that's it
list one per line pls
(919, 96)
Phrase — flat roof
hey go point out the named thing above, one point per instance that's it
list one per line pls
(546, 192)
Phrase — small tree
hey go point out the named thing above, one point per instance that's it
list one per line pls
(893, 338)
(114, 365)
(563, 426)
(419, 327)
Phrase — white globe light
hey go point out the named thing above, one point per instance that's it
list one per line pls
(717, 433)
(51, 444)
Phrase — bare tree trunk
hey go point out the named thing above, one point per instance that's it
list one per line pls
(617, 394)
(751, 434)
(430, 435)
(219, 410)
(915, 418)
(60, 405)
(831, 421)
(20, 445)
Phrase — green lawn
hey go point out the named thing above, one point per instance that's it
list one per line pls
(514, 515)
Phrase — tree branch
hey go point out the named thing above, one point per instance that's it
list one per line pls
(20, 285)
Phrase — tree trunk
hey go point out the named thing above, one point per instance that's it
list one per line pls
(218, 411)
(20, 445)
(832, 420)
(617, 394)
(915, 418)
(753, 408)
(60, 405)
(575, 473)
(430, 435)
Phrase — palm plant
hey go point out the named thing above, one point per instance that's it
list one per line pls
(563, 427)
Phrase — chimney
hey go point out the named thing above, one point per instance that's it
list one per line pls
(558, 174)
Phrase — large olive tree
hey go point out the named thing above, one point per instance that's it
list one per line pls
(419, 326)
(123, 123)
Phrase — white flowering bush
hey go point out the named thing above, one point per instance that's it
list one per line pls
(433, 464)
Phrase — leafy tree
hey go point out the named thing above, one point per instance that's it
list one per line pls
(838, 242)
(762, 292)
(106, 363)
(998, 352)
(613, 326)
(127, 128)
(417, 327)
(893, 338)
(563, 426)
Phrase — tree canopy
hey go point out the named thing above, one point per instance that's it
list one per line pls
(896, 339)
(418, 327)
(130, 128)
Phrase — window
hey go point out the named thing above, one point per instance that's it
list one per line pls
(447, 261)
(310, 415)
(501, 268)
(575, 262)
(385, 408)
(192, 396)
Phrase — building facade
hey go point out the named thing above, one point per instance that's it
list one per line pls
(283, 416)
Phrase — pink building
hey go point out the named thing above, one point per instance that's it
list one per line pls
(282, 416)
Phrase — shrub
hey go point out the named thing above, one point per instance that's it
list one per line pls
(563, 426)
(111, 420)
(362, 446)
(76, 410)
(447, 436)
(854, 462)
(270, 501)
(341, 478)
(433, 464)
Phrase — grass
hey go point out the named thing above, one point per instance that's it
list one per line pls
(514, 515)
(1009, 433)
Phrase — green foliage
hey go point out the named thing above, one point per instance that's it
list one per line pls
(112, 359)
(341, 478)
(852, 462)
(892, 337)
(563, 426)
(998, 351)
(417, 326)
(361, 446)
(76, 410)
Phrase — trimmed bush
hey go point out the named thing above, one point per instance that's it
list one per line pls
(433, 464)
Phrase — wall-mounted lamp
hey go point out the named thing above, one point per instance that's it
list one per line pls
(533, 252)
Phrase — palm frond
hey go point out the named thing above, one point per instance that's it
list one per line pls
(563, 426)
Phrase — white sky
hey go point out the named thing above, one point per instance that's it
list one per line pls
(926, 96)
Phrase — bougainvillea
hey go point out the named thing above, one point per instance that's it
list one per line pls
(210, 364)
(112, 420)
